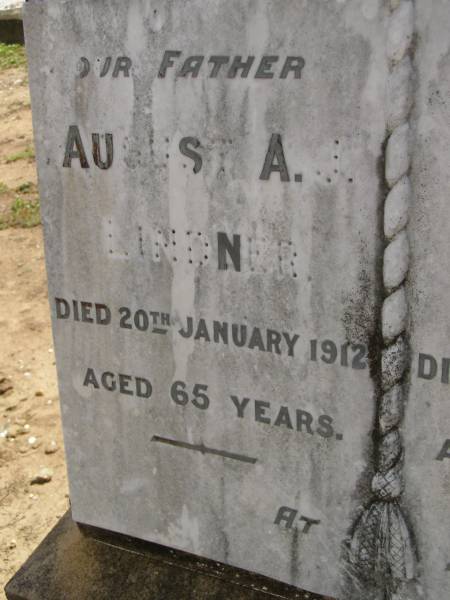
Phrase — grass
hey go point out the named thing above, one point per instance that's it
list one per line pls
(3, 188)
(23, 213)
(12, 55)
(28, 153)
(25, 188)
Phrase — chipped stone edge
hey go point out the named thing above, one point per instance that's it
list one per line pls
(373, 542)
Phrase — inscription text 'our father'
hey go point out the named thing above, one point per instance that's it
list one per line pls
(216, 65)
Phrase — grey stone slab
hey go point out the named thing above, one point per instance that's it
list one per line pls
(11, 31)
(144, 235)
(69, 565)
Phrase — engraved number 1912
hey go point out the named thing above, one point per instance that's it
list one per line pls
(353, 355)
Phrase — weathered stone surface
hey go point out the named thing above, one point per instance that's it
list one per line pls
(401, 30)
(284, 162)
(400, 97)
(214, 178)
(427, 417)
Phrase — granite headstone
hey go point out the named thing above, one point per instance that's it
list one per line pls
(244, 207)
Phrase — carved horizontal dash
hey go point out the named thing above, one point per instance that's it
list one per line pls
(204, 449)
(158, 330)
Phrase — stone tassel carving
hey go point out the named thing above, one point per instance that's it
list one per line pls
(381, 546)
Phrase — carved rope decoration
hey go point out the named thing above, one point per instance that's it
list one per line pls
(382, 546)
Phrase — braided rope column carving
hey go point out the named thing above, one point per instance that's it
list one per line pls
(381, 547)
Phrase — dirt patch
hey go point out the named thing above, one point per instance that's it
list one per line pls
(30, 432)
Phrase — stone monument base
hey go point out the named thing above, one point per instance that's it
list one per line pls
(80, 563)
(11, 31)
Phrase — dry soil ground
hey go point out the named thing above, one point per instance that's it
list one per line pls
(29, 408)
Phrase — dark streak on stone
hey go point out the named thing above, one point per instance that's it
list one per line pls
(294, 555)
(374, 337)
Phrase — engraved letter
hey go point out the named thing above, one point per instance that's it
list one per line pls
(143, 387)
(291, 341)
(109, 150)
(240, 405)
(430, 372)
(123, 63)
(275, 151)
(260, 411)
(109, 381)
(445, 370)
(102, 314)
(217, 61)
(167, 61)
(90, 379)
(239, 64)
(62, 308)
(326, 426)
(284, 418)
(295, 64)
(234, 250)
(195, 156)
(191, 65)
(308, 523)
(286, 515)
(265, 65)
(106, 66)
(445, 452)
(75, 148)
(84, 67)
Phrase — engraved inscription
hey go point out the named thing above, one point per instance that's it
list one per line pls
(286, 518)
(266, 67)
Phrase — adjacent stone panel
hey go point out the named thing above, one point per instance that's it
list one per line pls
(212, 194)
(427, 424)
